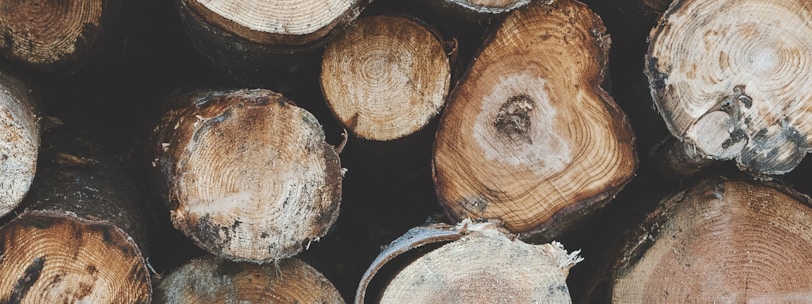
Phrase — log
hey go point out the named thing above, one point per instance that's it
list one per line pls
(20, 132)
(478, 263)
(745, 101)
(212, 280)
(731, 241)
(246, 174)
(55, 34)
(79, 235)
(385, 80)
(386, 77)
(249, 38)
(528, 136)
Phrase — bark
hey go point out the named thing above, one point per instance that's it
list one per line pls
(720, 241)
(79, 236)
(528, 136)
(479, 264)
(55, 34)
(20, 131)
(251, 38)
(246, 174)
(211, 280)
(730, 80)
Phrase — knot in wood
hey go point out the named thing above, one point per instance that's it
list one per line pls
(513, 119)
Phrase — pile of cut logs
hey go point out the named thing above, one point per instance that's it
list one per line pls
(429, 151)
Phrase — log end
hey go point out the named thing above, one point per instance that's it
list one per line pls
(386, 77)
(249, 175)
(52, 257)
(209, 280)
(48, 32)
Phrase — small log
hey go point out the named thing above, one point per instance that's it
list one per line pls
(79, 237)
(386, 77)
(53, 34)
(250, 37)
(730, 241)
(211, 280)
(20, 141)
(479, 264)
(675, 159)
(528, 136)
(731, 80)
(246, 174)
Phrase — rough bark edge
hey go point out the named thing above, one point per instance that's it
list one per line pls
(414, 238)
(188, 103)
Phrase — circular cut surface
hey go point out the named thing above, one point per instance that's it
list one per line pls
(19, 143)
(266, 21)
(45, 31)
(54, 258)
(485, 267)
(209, 280)
(385, 77)
(730, 77)
(528, 132)
(255, 179)
(722, 242)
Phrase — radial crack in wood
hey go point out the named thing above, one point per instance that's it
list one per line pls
(480, 264)
(211, 280)
(528, 136)
(722, 241)
(247, 174)
(729, 77)
(386, 77)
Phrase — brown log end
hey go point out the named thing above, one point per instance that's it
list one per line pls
(732, 80)
(720, 241)
(211, 280)
(54, 257)
(276, 22)
(47, 32)
(20, 134)
(528, 136)
(248, 175)
(386, 77)
(482, 264)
